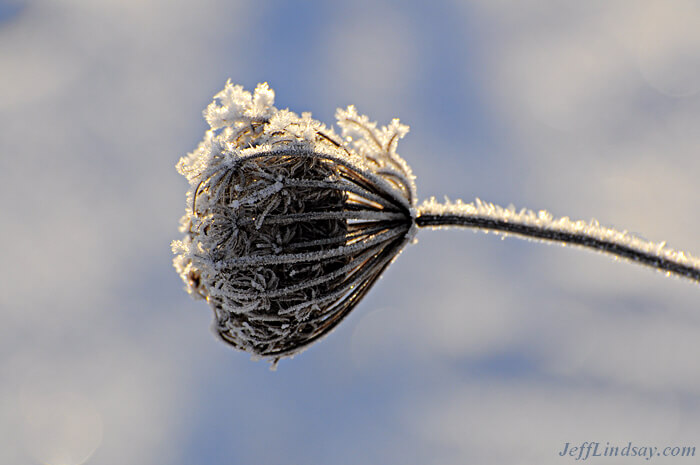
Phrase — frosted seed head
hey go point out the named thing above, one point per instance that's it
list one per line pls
(287, 226)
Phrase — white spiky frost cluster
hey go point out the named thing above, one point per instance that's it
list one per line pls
(288, 224)
(544, 221)
(235, 112)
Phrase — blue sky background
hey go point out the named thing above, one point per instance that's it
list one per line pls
(471, 349)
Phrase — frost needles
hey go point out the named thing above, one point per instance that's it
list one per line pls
(288, 224)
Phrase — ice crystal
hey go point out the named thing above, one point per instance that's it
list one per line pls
(288, 224)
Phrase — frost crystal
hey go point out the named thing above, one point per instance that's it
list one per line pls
(287, 224)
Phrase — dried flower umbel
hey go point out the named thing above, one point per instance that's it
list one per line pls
(289, 224)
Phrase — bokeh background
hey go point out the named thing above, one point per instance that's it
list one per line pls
(471, 349)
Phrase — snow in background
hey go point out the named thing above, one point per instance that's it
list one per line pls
(469, 349)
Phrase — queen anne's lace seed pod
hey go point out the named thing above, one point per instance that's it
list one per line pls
(288, 225)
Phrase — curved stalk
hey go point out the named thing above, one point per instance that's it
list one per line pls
(544, 227)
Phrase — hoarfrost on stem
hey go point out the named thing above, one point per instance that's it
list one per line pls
(543, 226)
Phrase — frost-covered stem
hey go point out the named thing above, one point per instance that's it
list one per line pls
(542, 226)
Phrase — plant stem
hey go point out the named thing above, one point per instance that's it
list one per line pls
(543, 227)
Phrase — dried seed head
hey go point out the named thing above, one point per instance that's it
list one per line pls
(288, 225)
